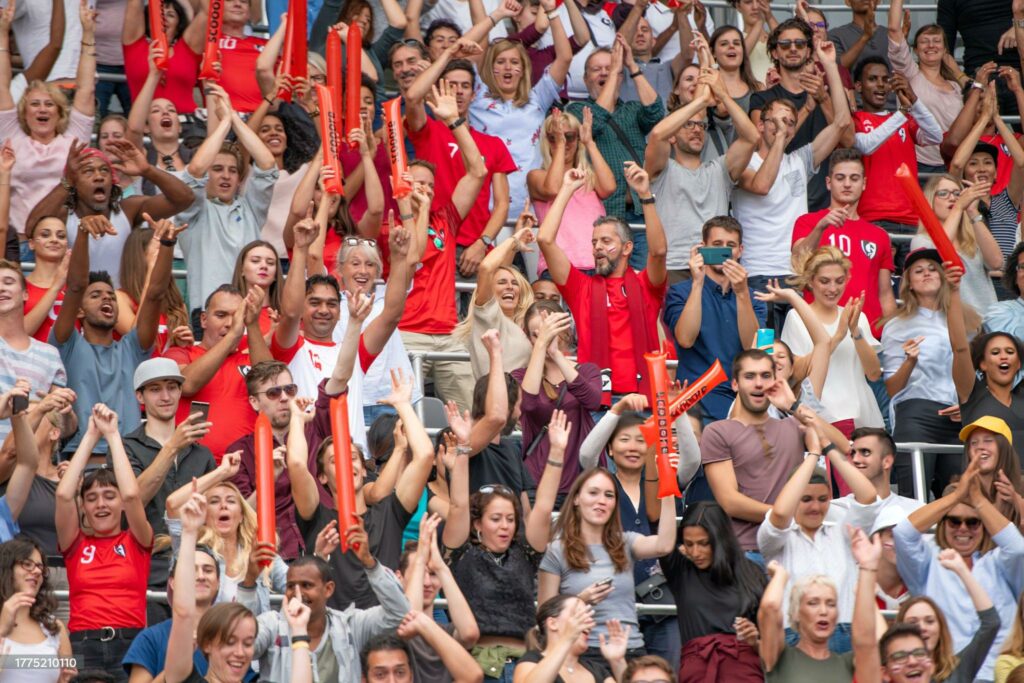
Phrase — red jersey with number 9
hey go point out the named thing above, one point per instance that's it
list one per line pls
(108, 578)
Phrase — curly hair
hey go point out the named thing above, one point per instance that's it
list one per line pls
(44, 609)
(569, 528)
(303, 140)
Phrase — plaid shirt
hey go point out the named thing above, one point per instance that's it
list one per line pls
(635, 120)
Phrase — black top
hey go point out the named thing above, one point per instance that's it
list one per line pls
(384, 524)
(191, 462)
(980, 23)
(36, 519)
(500, 594)
(599, 672)
(981, 402)
(194, 677)
(818, 196)
(705, 607)
(500, 464)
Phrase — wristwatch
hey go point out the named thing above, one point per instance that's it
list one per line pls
(456, 123)
(489, 241)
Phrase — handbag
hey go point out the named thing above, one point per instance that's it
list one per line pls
(544, 430)
(654, 591)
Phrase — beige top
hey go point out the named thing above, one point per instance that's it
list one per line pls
(515, 345)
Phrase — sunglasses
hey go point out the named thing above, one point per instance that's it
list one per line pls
(942, 194)
(168, 161)
(274, 393)
(901, 656)
(971, 523)
(356, 241)
(819, 24)
(799, 43)
(496, 488)
(569, 137)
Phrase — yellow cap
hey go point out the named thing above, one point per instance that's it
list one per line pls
(992, 424)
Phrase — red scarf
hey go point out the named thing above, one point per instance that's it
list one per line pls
(645, 335)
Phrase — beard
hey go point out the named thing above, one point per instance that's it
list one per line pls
(606, 267)
(799, 67)
(749, 406)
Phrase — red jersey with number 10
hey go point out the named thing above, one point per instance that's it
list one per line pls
(883, 198)
(238, 71)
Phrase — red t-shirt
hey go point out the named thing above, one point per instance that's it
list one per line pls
(230, 412)
(869, 250)
(577, 291)
(108, 578)
(177, 83)
(884, 199)
(238, 71)
(35, 293)
(436, 144)
(430, 305)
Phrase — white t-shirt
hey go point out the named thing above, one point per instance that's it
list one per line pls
(661, 17)
(31, 27)
(846, 393)
(458, 11)
(603, 31)
(768, 220)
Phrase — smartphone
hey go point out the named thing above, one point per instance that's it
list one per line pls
(605, 582)
(715, 256)
(765, 340)
(200, 407)
(19, 404)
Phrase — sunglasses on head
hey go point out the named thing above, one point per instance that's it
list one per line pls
(799, 43)
(956, 522)
(496, 488)
(274, 393)
(356, 241)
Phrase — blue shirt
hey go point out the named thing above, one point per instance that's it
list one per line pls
(149, 650)
(635, 519)
(8, 526)
(719, 338)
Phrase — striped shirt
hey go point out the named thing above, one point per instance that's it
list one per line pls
(1003, 222)
(40, 364)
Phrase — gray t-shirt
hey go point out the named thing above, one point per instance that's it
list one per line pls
(620, 603)
(685, 199)
(659, 75)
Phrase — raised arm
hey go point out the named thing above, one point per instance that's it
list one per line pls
(78, 276)
(184, 613)
(226, 471)
(143, 100)
(966, 148)
(381, 328)
(43, 63)
(6, 17)
(558, 263)
(769, 616)
(895, 22)
(413, 480)
(293, 296)
(476, 434)
(305, 491)
(456, 459)
(687, 328)
(657, 245)
(208, 150)
(66, 510)
(738, 156)
(26, 452)
(134, 510)
(456, 659)
(466, 190)
(963, 367)
(784, 507)
(147, 318)
(85, 77)
(659, 145)
(829, 137)
(538, 522)
(200, 371)
(863, 632)
(261, 155)
(359, 306)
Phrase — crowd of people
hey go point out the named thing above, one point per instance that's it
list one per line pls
(588, 185)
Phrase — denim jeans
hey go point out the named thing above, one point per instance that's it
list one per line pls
(107, 90)
(638, 258)
(371, 413)
(662, 638)
(26, 255)
(99, 655)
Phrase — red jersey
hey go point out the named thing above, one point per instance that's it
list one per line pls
(35, 293)
(436, 144)
(177, 84)
(430, 304)
(884, 200)
(230, 412)
(238, 71)
(869, 250)
(108, 578)
(577, 291)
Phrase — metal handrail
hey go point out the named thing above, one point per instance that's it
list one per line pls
(917, 450)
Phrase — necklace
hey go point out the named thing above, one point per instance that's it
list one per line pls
(498, 559)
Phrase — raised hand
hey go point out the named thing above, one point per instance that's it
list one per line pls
(306, 230)
(581, 620)
(866, 551)
(193, 512)
(636, 403)
(97, 226)
(587, 127)
(163, 229)
(637, 178)
(953, 561)
(398, 237)
(7, 157)
(105, 419)
(297, 613)
(559, 429)
(954, 274)
(359, 305)
(442, 101)
(615, 645)
(328, 540)
(413, 624)
(855, 306)
(230, 464)
(574, 179)
(461, 423)
(901, 86)
(912, 347)
(401, 389)
(21, 389)
(776, 293)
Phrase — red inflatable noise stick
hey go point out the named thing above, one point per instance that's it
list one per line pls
(159, 33)
(924, 211)
(664, 442)
(211, 52)
(294, 58)
(343, 470)
(266, 515)
(693, 393)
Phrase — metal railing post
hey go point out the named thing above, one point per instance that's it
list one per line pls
(917, 463)
(417, 372)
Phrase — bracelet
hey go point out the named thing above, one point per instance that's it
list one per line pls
(168, 243)
(648, 201)
(299, 645)
(1019, 23)
(300, 639)
(456, 123)
(463, 450)
(636, 74)
(857, 337)
(829, 447)
(406, 216)
(552, 15)
(4, 49)
(555, 464)
(867, 569)
(808, 454)
(651, 481)
(268, 101)
(88, 44)
(796, 404)
(494, 22)
(249, 587)
(978, 219)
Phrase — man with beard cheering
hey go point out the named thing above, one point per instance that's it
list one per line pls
(616, 309)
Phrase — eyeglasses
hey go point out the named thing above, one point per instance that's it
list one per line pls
(569, 137)
(971, 523)
(942, 194)
(274, 393)
(819, 24)
(799, 43)
(693, 125)
(29, 565)
(320, 79)
(356, 241)
(496, 488)
(901, 656)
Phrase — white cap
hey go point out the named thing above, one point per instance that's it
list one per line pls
(154, 369)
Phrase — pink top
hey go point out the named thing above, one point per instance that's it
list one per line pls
(576, 229)
(40, 166)
(280, 206)
(944, 104)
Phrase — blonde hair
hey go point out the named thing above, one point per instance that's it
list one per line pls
(1014, 643)
(59, 99)
(965, 240)
(796, 595)
(806, 264)
(246, 536)
(910, 304)
(582, 159)
(465, 328)
(523, 88)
